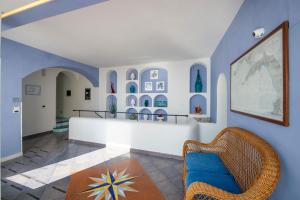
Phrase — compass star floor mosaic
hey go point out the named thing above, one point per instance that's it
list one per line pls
(51, 162)
(122, 180)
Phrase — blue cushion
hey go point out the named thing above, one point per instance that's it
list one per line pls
(205, 162)
(222, 181)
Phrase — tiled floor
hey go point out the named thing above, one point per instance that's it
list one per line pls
(41, 152)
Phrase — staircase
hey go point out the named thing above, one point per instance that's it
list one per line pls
(62, 125)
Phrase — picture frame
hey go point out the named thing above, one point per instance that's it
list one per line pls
(87, 94)
(154, 74)
(148, 86)
(259, 79)
(68, 93)
(33, 89)
(160, 86)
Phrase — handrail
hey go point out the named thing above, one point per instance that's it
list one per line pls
(136, 113)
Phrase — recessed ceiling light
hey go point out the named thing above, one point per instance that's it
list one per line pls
(23, 8)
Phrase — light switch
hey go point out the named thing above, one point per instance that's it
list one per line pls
(16, 109)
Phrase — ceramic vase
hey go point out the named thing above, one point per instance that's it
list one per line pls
(132, 89)
(198, 109)
(132, 102)
(132, 76)
(112, 87)
(146, 103)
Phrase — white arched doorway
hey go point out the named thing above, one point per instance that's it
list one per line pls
(40, 108)
(222, 101)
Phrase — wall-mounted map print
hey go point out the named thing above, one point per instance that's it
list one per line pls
(259, 79)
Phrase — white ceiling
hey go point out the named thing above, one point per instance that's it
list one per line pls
(7, 5)
(124, 32)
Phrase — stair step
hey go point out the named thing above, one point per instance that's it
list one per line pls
(60, 124)
(60, 129)
(62, 120)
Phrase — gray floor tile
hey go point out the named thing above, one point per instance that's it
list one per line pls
(49, 149)
(52, 194)
(167, 188)
(157, 176)
(170, 172)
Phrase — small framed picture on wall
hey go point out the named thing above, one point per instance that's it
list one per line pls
(148, 86)
(87, 93)
(68, 93)
(160, 86)
(33, 90)
(154, 74)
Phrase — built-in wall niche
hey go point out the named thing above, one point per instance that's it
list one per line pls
(145, 114)
(154, 80)
(198, 78)
(111, 105)
(198, 105)
(160, 101)
(131, 101)
(132, 74)
(112, 81)
(131, 87)
(145, 101)
(161, 115)
(131, 114)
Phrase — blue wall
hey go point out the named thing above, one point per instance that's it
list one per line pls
(268, 14)
(19, 61)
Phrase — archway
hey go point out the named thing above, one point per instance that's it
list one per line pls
(18, 61)
(41, 109)
(222, 101)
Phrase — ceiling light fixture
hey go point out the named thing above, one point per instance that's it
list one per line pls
(23, 8)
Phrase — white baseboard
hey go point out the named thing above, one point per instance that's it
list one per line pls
(11, 156)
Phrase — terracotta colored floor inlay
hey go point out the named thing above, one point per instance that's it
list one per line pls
(122, 180)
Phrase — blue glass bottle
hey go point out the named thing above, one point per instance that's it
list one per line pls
(198, 83)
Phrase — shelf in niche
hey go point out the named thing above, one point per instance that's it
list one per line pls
(132, 71)
(197, 115)
(143, 116)
(160, 111)
(131, 114)
(129, 98)
(111, 100)
(198, 99)
(128, 107)
(160, 101)
(131, 84)
(135, 81)
(112, 81)
(193, 76)
(142, 100)
(202, 94)
(150, 108)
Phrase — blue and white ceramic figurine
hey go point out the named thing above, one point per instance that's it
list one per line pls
(132, 76)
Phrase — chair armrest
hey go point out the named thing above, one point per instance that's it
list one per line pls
(205, 191)
(196, 146)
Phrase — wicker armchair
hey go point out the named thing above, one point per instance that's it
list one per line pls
(252, 162)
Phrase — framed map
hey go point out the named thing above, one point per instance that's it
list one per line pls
(259, 79)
